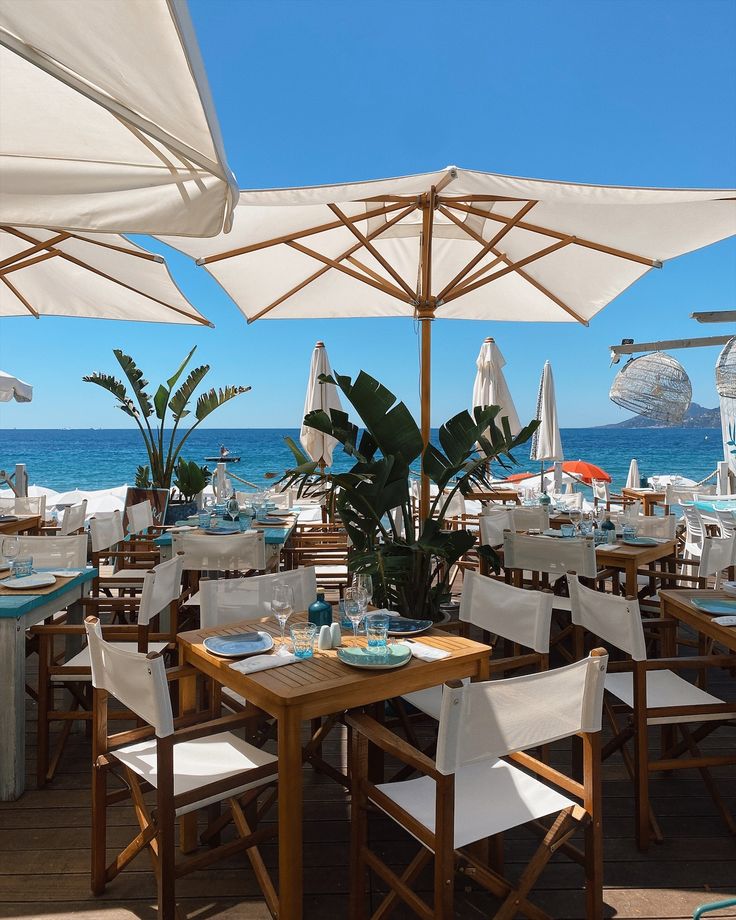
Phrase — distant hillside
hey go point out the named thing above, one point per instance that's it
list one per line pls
(695, 417)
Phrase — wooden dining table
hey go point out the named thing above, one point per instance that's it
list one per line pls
(648, 498)
(309, 689)
(629, 559)
(677, 604)
(23, 523)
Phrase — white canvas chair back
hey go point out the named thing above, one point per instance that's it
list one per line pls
(455, 507)
(726, 522)
(694, 523)
(488, 719)
(513, 613)
(716, 555)
(550, 555)
(106, 531)
(238, 552)
(35, 505)
(55, 552)
(161, 587)
(283, 500)
(601, 490)
(662, 528)
(230, 600)
(615, 620)
(137, 681)
(531, 518)
(73, 519)
(140, 517)
(573, 501)
(494, 520)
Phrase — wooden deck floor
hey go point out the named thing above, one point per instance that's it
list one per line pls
(45, 838)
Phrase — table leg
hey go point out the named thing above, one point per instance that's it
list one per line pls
(188, 822)
(12, 711)
(632, 585)
(290, 816)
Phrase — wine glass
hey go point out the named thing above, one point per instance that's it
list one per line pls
(365, 583)
(355, 607)
(282, 605)
(10, 549)
(576, 516)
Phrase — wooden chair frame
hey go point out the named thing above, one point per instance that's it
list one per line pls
(555, 835)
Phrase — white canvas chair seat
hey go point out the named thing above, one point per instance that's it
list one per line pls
(199, 763)
(665, 688)
(490, 797)
(108, 574)
(82, 660)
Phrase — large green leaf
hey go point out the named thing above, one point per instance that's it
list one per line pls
(180, 399)
(117, 388)
(137, 381)
(171, 382)
(213, 399)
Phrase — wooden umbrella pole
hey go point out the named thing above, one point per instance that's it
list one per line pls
(425, 312)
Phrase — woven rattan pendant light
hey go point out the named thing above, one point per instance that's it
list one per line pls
(655, 386)
(726, 370)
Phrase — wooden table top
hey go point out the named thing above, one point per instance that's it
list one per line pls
(621, 552)
(24, 522)
(678, 603)
(323, 684)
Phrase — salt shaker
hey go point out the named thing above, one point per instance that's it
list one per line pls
(324, 640)
(336, 635)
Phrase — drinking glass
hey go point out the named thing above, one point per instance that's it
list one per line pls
(23, 565)
(10, 548)
(576, 517)
(354, 609)
(282, 606)
(567, 530)
(376, 631)
(628, 531)
(365, 583)
(302, 637)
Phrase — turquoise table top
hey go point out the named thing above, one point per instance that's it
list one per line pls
(19, 604)
(272, 535)
(722, 504)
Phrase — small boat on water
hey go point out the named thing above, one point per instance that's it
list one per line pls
(224, 457)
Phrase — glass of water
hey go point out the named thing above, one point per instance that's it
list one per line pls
(354, 607)
(376, 631)
(282, 606)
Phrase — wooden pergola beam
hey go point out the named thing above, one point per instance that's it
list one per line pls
(715, 316)
(632, 348)
(557, 235)
(301, 234)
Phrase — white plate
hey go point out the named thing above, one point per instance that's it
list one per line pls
(29, 581)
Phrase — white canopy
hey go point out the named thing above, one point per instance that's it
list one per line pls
(13, 388)
(546, 442)
(546, 251)
(319, 396)
(50, 273)
(106, 120)
(490, 387)
(632, 479)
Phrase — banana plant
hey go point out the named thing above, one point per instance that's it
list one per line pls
(152, 414)
(410, 565)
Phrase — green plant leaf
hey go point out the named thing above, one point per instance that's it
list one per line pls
(213, 399)
(178, 402)
(160, 401)
(137, 382)
(171, 382)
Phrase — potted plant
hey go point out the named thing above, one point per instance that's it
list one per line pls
(410, 566)
(167, 405)
(191, 478)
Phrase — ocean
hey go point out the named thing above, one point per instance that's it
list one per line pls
(103, 458)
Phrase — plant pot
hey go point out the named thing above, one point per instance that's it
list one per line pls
(178, 511)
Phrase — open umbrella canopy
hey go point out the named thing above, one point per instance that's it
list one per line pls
(490, 387)
(106, 120)
(51, 273)
(585, 471)
(319, 446)
(14, 388)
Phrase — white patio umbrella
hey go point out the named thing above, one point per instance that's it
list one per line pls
(50, 273)
(453, 244)
(319, 446)
(106, 120)
(490, 387)
(632, 480)
(14, 388)
(546, 441)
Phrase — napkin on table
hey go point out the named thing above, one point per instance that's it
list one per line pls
(262, 663)
(427, 652)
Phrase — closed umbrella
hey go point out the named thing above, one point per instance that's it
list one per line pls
(546, 442)
(14, 388)
(490, 387)
(104, 276)
(632, 480)
(319, 396)
(453, 244)
(106, 120)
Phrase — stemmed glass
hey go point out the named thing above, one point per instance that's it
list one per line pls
(365, 584)
(576, 517)
(282, 605)
(356, 601)
(10, 548)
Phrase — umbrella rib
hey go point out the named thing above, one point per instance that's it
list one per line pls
(96, 271)
(482, 271)
(325, 268)
(369, 271)
(34, 249)
(28, 262)
(556, 234)
(503, 257)
(372, 250)
(138, 253)
(299, 234)
(486, 248)
(20, 297)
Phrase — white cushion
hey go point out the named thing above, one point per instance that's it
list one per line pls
(490, 797)
(81, 659)
(198, 763)
(665, 688)
(124, 575)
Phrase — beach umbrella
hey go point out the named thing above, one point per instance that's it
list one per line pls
(452, 244)
(546, 441)
(107, 122)
(104, 276)
(319, 396)
(586, 471)
(490, 387)
(633, 480)
(14, 388)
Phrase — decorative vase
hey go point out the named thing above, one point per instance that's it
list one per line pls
(320, 611)
(178, 511)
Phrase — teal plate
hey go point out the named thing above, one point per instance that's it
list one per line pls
(405, 626)
(640, 541)
(250, 643)
(397, 655)
(714, 606)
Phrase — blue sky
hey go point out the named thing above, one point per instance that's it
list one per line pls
(313, 91)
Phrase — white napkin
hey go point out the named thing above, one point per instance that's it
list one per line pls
(262, 663)
(62, 573)
(427, 652)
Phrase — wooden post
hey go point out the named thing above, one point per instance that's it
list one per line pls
(425, 311)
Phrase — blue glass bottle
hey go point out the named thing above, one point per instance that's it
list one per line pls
(320, 611)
